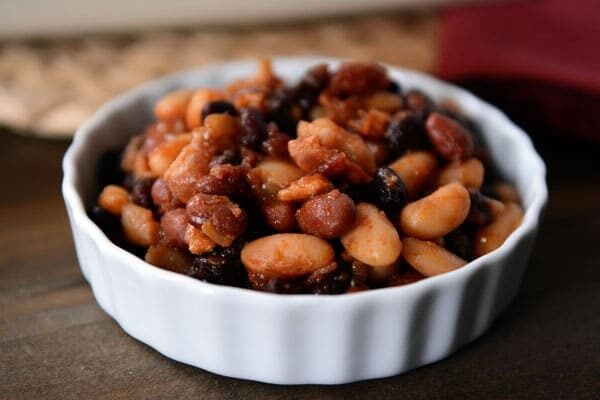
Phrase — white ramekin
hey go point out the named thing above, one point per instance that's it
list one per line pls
(295, 339)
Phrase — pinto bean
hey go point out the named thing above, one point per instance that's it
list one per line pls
(162, 196)
(358, 78)
(373, 239)
(286, 255)
(469, 173)
(327, 215)
(429, 258)
(173, 106)
(279, 215)
(490, 237)
(139, 226)
(173, 224)
(192, 162)
(416, 169)
(113, 198)
(225, 218)
(435, 215)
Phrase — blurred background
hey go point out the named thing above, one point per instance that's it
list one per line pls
(60, 60)
(538, 60)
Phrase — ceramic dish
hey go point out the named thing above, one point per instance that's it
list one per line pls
(294, 339)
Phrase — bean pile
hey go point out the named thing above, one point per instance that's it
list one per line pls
(340, 183)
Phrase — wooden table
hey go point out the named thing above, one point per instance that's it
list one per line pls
(56, 343)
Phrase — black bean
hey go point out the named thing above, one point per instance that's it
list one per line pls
(480, 212)
(280, 110)
(254, 128)
(390, 191)
(406, 133)
(111, 226)
(218, 107)
(141, 192)
(313, 82)
(221, 266)
(109, 223)
(229, 156)
(393, 87)
(459, 242)
(335, 282)
(109, 168)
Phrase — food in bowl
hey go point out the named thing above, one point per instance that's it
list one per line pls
(339, 183)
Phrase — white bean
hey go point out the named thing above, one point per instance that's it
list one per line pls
(436, 215)
(468, 173)
(373, 239)
(429, 258)
(286, 255)
(416, 169)
(491, 236)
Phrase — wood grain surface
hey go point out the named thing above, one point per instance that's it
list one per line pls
(56, 343)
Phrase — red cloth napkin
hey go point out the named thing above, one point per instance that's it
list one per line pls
(538, 60)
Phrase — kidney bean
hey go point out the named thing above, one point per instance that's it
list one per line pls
(428, 257)
(437, 214)
(327, 215)
(449, 139)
